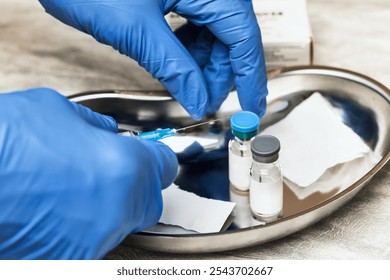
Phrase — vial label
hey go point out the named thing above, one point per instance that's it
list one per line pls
(266, 199)
(239, 168)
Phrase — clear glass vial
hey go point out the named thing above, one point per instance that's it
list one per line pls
(244, 127)
(266, 179)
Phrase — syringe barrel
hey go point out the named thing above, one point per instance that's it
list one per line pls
(156, 134)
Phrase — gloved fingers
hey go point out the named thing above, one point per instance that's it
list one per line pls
(191, 152)
(165, 161)
(251, 77)
(151, 158)
(138, 29)
(54, 101)
(252, 92)
(95, 119)
(234, 24)
(61, 173)
(131, 176)
(198, 41)
(213, 58)
(188, 33)
(168, 61)
(149, 167)
(219, 76)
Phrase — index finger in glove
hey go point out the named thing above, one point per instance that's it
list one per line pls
(234, 24)
(138, 29)
(96, 119)
(154, 160)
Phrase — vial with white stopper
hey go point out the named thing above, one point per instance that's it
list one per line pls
(266, 179)
(244, 127)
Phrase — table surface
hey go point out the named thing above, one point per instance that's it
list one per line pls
(37, 50)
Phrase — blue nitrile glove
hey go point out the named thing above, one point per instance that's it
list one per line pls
(137, 28)
(70, 186)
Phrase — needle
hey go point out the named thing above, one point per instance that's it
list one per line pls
(159, 134)
(202, 123)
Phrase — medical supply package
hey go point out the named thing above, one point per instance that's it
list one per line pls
(286, 33)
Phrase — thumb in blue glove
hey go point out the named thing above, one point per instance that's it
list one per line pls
(138, 29)
(71, 187)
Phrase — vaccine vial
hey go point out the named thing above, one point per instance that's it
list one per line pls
(242, 213)
(244, 127)
(266, 179)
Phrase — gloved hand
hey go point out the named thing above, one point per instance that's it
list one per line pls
(200, 77)
(70, 186)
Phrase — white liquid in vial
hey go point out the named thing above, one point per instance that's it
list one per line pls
(266, 199)
(239, 168)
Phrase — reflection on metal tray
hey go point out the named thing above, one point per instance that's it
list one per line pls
(363, 104)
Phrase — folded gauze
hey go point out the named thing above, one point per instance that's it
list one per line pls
(192, 212)
(313, 139)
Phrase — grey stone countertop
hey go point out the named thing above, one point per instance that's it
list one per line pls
(37, 50)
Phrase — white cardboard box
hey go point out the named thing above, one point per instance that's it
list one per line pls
(286, 32)
(285, 28)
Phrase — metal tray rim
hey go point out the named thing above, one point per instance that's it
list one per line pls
(351, 191)
(172, 242)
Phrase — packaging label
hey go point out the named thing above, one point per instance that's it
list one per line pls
(239, 168)
(285, 29)
(286, 32)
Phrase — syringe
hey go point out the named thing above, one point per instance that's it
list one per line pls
(159, 134)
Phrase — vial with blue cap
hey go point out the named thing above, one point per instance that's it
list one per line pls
(244, 127)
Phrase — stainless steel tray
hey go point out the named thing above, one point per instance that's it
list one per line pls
(363, 103)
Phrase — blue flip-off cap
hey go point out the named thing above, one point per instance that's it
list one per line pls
(244, 124)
